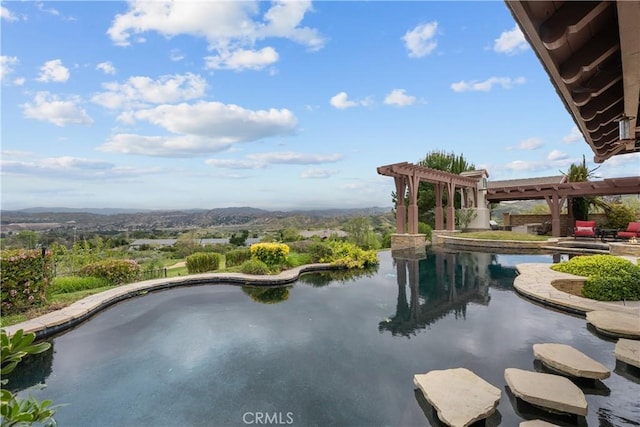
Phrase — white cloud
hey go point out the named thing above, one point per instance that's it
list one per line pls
(106, 67)
(201, 128)
(54, 12)
(487, 85)
(341, 101)
(557, 155)
(7, 15)
(176, 55)
(224, 25)
(421, 40)
(19, 81)
(6, 65)
(67, 167)
(528, 144)
(48, 107)
(263, 160)
(139, 91)
(53, 71)
(511, 42)
(243, 59)
(574, 136)
(317, 173)
(399, 98)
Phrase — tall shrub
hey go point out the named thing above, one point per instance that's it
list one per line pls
(116, 271)
(237, 257)
(26, 275)
(201, 262)
(270, 253)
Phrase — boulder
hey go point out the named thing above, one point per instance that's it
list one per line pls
(570, 361)
(547, 391)
(537, 423)
(459, 396)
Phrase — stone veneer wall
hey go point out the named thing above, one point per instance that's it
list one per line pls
(515, 220)
(624, 249)
(401, 241)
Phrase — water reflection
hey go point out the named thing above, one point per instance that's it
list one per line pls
(267, 295)
(439, 283)
(321, 279)
(34, 369)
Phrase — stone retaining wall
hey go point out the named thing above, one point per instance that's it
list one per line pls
(624, 249)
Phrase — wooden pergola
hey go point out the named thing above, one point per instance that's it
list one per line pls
(408, 176)
(556, 194)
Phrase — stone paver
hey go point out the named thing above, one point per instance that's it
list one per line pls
(459, 396)
(628, 351)
(570, 361)
(546, 390)
(537, 423)
(614, 323)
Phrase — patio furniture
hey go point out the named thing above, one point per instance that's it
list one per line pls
(585, 229)
(605, 233)
(633, 230)
(544, 229)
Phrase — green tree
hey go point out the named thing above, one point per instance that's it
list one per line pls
(443, 161)
(239, 239)
(579, 206)
(28, 239)
(361, 234)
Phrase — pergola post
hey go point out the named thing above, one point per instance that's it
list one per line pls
(439, 210)
(555, 206)
(401, 207)
(451, 212)
(414, 182)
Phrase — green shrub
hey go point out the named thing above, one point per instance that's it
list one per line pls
(254, 266)
(613, 288)
(300, 246)
(619, 215)
(68, 284)
(424, 228)
(116, 271)
(320, 251)
(271, 254)
(609, 278)
(26, 276)
(237, 256)
(296, 259)
(202, 262)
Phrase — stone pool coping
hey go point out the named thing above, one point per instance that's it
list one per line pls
(535, 281)
(76, 313)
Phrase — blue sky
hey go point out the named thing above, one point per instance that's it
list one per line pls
(276, 105)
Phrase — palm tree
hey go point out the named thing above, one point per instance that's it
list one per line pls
(578, 207)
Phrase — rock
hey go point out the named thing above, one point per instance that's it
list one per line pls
(570, 361)
(628, 351)
(537, 423)
(618, 324)
(547, 391)
(459, 396)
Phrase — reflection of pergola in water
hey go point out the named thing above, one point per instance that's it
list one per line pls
(420, 311)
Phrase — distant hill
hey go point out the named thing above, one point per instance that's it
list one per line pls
(131, 219)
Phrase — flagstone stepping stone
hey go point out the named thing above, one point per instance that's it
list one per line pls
(459, 396)
(624, 325)
(537, 423)
(570, 361)
(628, 351)
(548, 391)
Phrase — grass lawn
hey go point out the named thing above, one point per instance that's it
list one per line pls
(502, 235)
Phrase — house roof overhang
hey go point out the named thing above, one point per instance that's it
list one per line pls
(591, 52)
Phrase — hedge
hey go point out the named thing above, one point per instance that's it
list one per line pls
(271, 254)
(26, 276)
(202, 262)
(237, 257)
(116, 271)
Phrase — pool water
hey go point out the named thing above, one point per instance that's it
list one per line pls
(324, 353)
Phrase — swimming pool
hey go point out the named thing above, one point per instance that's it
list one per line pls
(339, 353)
